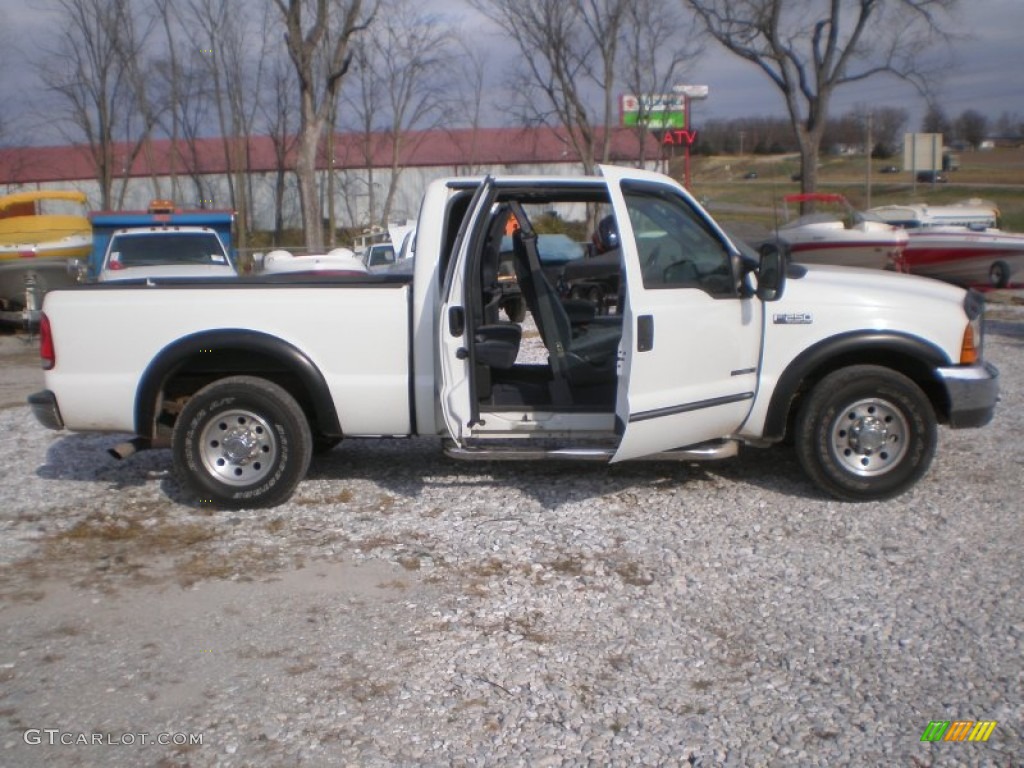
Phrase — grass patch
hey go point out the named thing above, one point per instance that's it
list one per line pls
(301, 668)
(719, 180)
(634, 574)
(361, 688)
(525, 627)
(344, 496)
(567, 565)
(246, 563)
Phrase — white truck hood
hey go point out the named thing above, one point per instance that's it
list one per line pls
(830, 300)
(872, 286)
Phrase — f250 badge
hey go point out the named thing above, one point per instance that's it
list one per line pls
(793, 318)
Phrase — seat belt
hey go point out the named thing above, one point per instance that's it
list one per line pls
(561, 393)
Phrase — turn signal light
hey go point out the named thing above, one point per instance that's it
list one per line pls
(968, 351)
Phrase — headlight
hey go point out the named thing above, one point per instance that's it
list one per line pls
(971, 349)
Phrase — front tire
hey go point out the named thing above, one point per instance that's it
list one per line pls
(865, 433)
(242, 442)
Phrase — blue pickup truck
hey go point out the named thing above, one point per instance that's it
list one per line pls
(162, 241)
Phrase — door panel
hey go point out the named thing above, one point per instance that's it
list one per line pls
(691, 343)
(455, 386)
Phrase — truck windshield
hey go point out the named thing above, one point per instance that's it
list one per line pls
(152, 249)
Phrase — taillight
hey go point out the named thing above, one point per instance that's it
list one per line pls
(46, 353)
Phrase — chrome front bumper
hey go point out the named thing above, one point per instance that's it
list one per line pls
(972, 391)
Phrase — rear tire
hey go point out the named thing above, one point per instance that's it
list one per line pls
(240, 442)
(865, 433)
(999, 274)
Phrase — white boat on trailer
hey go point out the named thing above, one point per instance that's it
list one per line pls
(958, 243)
(845, 237)
(974, 212)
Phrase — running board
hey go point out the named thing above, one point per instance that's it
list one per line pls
(719, 449)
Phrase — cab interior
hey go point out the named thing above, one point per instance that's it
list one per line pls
(563, 356)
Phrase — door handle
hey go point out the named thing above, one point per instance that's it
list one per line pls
(456, 321)
(645, 333)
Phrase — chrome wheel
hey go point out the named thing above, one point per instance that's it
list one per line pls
(865, 433)
(869, 437)
(238, 446)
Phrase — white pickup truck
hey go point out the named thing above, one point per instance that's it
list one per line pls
(707, 349)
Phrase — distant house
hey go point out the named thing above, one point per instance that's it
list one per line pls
(196, 174)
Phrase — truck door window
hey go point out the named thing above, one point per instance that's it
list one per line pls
(676, 247)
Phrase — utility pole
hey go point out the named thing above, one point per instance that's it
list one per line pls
(868, 152)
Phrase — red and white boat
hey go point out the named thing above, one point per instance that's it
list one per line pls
(845, 236)
(966, 255)
(958, 243)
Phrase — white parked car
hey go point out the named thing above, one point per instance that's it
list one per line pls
(340, 261)
(158, 252)
(379, 257)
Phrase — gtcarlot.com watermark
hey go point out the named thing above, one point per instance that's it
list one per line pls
(55, 736)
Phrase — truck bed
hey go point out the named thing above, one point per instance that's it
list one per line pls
(104, 335)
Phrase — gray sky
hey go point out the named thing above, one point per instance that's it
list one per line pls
(987, 76)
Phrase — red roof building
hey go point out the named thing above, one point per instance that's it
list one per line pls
(198, 170)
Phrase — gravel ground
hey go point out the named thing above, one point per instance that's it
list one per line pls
(404, 609)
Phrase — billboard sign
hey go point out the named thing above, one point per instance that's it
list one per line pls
(658, 111)
(692, 92)
(922, 151)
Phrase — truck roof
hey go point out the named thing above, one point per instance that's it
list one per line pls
(124, 219)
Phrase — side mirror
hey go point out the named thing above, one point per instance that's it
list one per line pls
(771, 273)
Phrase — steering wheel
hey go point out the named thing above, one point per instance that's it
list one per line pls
(683, 271)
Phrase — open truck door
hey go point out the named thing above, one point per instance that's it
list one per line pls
(692, 335)
(459, 408)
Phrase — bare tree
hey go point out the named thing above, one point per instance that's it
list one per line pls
(320, 50)
(658, 44)
(604, 20)
(470, 100)
(139, 121)
(1009, 125)
(416, 58)
(890, 123)
(277, 111)
(4, 72)
(809, 49)
(182, 74)
(935, 120)
(171, 76)
(95, 68)
(567, 50)
(846, 131)
(363, 100)
(225, 31)
(971, 126)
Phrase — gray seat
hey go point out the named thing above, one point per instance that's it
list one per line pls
(584, 355)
